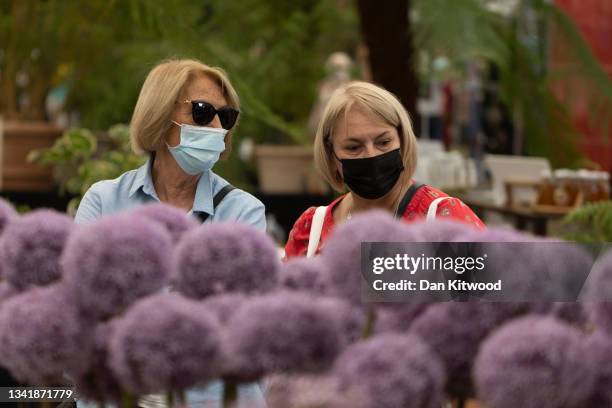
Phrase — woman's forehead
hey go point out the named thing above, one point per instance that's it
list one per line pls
(358, 122)
(203, 87)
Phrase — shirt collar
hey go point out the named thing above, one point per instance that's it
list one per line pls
(203, 201)
(144, 180)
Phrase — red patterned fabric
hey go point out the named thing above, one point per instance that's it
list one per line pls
(453, 208)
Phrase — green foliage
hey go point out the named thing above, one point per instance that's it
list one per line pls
(592, 221)
(78, 161)
(273, 50)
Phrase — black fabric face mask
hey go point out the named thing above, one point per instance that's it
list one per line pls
(372, 177)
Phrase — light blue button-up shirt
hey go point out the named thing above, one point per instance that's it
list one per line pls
(135, 188)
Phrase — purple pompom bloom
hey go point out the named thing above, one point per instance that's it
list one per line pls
(441, 230)
(573, 313)
(512, 259)
(165, 342)
(352, 318)
(98, 382)
(307, 274)
(342, 251)
(598, 286)
(7, 214)
(112, 262)
(395, 370)
(598, 350)
(495, 235)
(598, 289)
(6, 291)
(31, 247)
(281, 332)
(454, 331)
(601, 315)
(225, 257)
(533, 362)
(174, 220)
(224, 306)
(398, 317)
(42, 336)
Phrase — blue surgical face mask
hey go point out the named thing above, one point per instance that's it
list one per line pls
(199, 148)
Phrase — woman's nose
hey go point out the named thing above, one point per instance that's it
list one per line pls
(369, 150)
(215, 123)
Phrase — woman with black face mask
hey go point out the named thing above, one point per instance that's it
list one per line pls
(365, 143)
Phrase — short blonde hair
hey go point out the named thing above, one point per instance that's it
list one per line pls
(161, 90)
(375, 100)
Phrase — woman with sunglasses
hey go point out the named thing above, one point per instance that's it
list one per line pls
(365, 143)
(183, 120)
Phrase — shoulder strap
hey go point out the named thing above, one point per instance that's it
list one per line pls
(216, 201)
(401, 209)
(433, 208)
(316, 226)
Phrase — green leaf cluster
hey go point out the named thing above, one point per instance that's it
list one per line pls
(80, 158)
(592, 222)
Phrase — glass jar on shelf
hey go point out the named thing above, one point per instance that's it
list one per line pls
(547, 188)
(566, 188)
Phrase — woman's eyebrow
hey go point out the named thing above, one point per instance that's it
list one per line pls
(360, 138)
(382, 134)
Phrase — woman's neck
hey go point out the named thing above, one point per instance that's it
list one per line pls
(172, 185)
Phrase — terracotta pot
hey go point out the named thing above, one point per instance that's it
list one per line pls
(288, 170)
(17, 139)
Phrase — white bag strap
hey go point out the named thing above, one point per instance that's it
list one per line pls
(433, 208)
(315, 231)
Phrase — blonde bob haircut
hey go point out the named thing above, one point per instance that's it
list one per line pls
(374, 99)
(164, 86)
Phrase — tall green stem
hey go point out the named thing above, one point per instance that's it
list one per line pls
(230, 393)
(370, 321)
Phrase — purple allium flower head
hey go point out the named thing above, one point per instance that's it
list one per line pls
(495, 235)
(533, 362)
(598, 286)
(98, 382)
(31, 247)
(597, 348)
(454, 331)
(597, 291)
(174, 220)
(6, 291)
(397, 317)
(165, 342)
(441, 230)
(281, 332)
(224, 306)
(395, 370)
(7, 214)
(342, 251)
(573, 313)
(307, 274)
(352, 318)
(42, 336)
(565, 266)
(225, 257)
(601, 315)
(112, 262)
(511, 258)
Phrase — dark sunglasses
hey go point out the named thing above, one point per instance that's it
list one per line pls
(203, 113)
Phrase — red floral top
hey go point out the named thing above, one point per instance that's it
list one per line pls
(453, 208)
